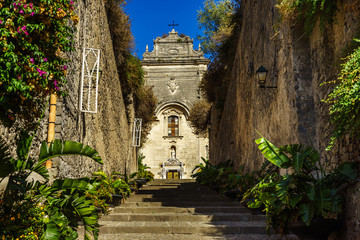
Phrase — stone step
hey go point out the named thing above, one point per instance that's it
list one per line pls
(171, 181)
(154, 236)
(171, 188)
(158, 217)
(199, 198)
(177, 204)
(185, 193)
(244, 227)
(182, 210)
(201, 209)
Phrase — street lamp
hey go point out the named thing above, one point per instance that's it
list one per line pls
(261, 75)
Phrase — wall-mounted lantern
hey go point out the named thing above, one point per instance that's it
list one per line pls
(261, 75)
(209, 125)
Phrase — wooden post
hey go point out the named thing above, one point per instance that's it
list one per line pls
(51, 129)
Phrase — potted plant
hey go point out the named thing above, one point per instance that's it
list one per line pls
(308, 191)
(110, 189)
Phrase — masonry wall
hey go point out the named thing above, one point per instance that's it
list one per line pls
(293, 112)
(107, 131)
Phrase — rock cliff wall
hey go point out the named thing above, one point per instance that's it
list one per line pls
(107, 131)
(293, 112)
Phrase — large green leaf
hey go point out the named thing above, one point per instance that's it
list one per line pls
(60, 148)
(6, 167)
(52, 231)
(68, 198)
(24, 145)
(271, 152)
(306, 212)
(348, 169)
(303, 158)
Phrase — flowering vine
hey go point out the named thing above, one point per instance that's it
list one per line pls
(34, 37)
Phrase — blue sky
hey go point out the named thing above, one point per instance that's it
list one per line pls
(150, 19)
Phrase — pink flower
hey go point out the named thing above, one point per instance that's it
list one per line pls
(71, 2)
(25, 6)
(1, 22)
(64, 67)
(31, 6)
(31, 60)
(45, 59)
(26, 33)
(41, 72)
(14, 3)
(59, 9)
(57, 88)
(55, 83)
(32, 14)
(18, 30)
(21, 11)
(23, 28)
(19, 77)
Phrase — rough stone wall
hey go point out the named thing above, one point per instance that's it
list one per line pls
(293, 112)
(248, 108)
(107, 131)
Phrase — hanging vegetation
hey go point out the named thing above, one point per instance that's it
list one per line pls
(199, 116)
(136, 94)
(344, 100)
(34, 39)
(309, 11)
(215, 82)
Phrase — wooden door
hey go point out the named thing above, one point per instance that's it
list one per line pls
(172, 174)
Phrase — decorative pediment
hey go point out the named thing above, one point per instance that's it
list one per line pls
(173, 46)
(172, 162)
(172, 112)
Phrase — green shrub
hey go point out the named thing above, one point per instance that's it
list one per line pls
(344, 100)
(142, 173)
(200, 116)
(308, 190)
(24, 182)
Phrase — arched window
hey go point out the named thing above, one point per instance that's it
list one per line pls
(173, 126)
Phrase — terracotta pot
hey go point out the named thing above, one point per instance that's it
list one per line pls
(116, 199)
(319, 229)
(232, 194)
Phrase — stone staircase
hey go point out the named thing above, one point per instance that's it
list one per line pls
(181, 209)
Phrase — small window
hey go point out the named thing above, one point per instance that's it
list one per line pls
(173, 126)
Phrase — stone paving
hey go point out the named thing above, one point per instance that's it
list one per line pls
(182, 210)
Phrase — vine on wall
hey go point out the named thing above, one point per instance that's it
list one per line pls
(34, 37)
(308, 11)
(344, 100)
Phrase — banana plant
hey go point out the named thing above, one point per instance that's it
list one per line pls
(67, 204)
(305, 192)
(23, 177)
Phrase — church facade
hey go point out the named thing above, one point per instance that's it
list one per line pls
(174, 70)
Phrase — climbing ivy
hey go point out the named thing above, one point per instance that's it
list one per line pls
(34, 37)
(344, 100)
(309, 11)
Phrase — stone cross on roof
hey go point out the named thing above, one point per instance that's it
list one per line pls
(173, 24)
